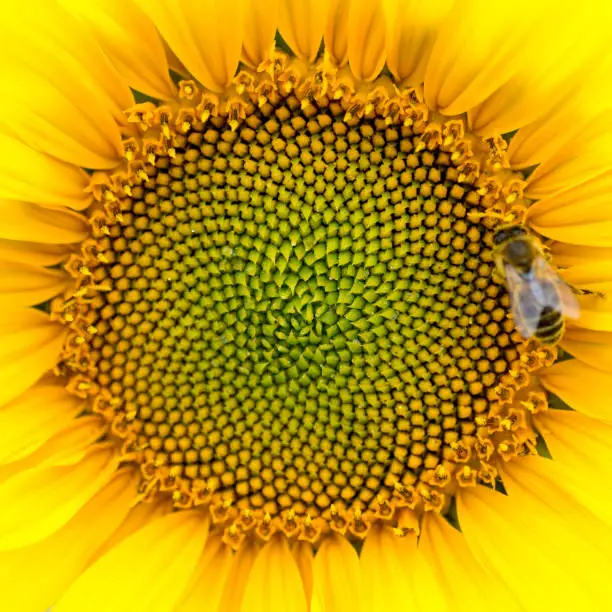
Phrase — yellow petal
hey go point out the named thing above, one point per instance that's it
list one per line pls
(582, 387)
(236, 580)
(575, 439)
(68, 105)
(594, 234)
(28, 222)
(304, 557)
(586, 486)
(386, 580)
(55, 30)
(139, 515)
(206, 36)
(49, 120)
(583, 159)
(562, 52)
(531, 480)
(58, 560)
(463, 581)
(366, 38)
(412, 29)
(274, 583)
(71, 444)
(591, 347)
(336, 32)
(465, 69)
(39, 501)
(26, 174)
(26, 285)
(33, 253)
(578, 495)
(526, 58)
(422, 589)
(30, 420)
(428, 592)
(67, 447)
(147, 571)
(580, 207)
(30, 345)
(209, 579)
(130, 41)
(527, 546)
(261, 19)
(582, 457)
(540, 140)
(302, 25)
(174, 62)
(549, 66)
(593, 276)
(595, 313)
(565, 255)
(337, 577)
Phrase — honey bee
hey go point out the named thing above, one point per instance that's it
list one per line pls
(539, 299)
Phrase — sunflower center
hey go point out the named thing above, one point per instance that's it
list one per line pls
(289, 310)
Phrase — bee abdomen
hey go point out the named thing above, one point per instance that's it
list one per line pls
(550, 326)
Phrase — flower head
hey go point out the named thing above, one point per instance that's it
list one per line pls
(259, 348)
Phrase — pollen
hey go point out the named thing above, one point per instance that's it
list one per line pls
(288, 310)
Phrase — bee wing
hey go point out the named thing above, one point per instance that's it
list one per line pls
(525, 308)
(567, 299)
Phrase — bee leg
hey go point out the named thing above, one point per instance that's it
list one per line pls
(498, 279)
(546, 253)
(499, 276)
(600, 294)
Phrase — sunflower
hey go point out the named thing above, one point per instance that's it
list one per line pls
(254, 353)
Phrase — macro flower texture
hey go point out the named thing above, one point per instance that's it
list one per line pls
(256, 352)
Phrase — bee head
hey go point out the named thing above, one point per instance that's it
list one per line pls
(508, 233)
(519, 253)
